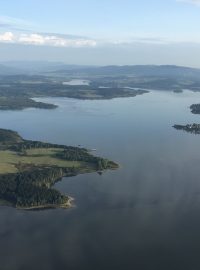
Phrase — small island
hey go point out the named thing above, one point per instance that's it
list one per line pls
(178, 91)
(191, 128)
(195, 108)
(29, 169)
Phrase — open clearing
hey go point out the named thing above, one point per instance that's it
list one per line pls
(41, 156)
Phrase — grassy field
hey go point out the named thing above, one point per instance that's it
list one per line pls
(9, 160)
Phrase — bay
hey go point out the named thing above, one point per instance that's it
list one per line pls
(145, 215)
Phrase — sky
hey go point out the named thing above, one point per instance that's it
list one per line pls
(101, 32)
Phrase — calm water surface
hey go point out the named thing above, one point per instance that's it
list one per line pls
(77, 82)
(146, 215)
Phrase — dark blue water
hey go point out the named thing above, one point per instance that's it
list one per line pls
(146, 215)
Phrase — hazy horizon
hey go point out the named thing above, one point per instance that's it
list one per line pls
(111, 33)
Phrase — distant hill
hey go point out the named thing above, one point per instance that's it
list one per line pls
(58, 68)
(35, 67)
(6, 70)
(137, 71)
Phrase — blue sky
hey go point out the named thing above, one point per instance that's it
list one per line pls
(123, 26)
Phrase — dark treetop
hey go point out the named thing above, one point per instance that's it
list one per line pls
(195, 108)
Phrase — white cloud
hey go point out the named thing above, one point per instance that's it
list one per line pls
(47, 40)
(70, 41)
(194, 2)
(53, 40)
(34, 39)
(6, 37)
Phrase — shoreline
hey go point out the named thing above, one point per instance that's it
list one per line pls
(67, 205)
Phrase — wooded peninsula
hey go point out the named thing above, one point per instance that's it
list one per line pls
(29, 169)
(17, 92)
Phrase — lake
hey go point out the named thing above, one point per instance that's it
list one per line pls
(77, 82)
(145, 215)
